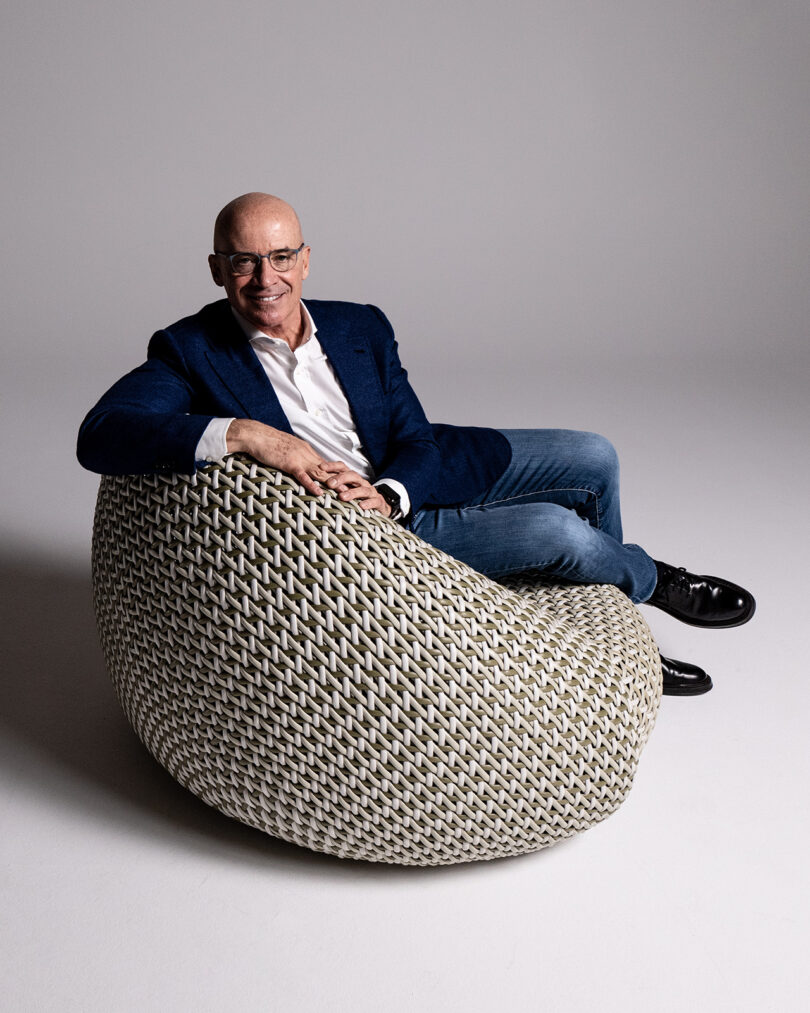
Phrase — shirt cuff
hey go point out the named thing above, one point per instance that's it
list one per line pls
(401, 491)
(213, 445)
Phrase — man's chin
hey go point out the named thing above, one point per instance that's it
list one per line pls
(269, 316)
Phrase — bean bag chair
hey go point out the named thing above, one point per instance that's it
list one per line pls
(324, 675)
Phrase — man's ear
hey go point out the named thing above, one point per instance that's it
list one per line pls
(305, 266)
(216, 269)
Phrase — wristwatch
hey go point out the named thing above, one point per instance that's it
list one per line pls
(392, 499)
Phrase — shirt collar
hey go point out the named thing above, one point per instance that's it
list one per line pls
(255, 334)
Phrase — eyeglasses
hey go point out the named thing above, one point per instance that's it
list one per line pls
(247, 263)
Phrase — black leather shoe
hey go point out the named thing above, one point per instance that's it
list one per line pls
(700, 600)
(683, 679)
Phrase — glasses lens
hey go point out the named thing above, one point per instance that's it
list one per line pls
(283, 260)
(243, 263)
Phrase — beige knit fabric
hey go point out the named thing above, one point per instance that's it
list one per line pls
(326, 676)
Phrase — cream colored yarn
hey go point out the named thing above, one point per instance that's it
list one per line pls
(328, 677)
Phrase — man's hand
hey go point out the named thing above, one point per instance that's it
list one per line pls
(284, 451)
(352, 487)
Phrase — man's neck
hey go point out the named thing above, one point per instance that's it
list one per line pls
(301, 334)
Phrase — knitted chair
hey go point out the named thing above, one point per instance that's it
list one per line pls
(326, 676)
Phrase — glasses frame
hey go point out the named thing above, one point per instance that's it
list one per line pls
(261, 256)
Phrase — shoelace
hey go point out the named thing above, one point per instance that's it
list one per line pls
(675, 579)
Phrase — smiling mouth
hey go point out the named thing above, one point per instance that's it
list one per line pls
(267, 298)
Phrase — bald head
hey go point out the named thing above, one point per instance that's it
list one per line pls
(252, 209)
(269, 297)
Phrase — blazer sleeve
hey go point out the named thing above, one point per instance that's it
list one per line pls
(145, 423)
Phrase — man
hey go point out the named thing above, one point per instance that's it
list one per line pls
(317, 390)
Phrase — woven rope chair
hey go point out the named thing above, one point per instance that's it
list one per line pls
(328, 677)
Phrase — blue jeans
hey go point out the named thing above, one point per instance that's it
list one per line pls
(555, 509)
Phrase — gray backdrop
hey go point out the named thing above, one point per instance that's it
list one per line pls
(584, 214)
(516, 184)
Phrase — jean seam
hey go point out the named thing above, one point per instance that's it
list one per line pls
(511, 499)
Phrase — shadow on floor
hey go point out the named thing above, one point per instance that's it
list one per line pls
(65, 732)
(67, 739)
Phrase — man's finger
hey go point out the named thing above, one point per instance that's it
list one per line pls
(361, 493)
(308, 483)
(346, 478)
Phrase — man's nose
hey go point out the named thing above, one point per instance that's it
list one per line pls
(265, 273)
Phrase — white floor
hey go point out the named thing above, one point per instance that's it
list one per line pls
(121, 892)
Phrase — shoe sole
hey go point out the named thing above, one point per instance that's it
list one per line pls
(697, 690)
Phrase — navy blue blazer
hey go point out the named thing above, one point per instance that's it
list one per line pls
(203, 367)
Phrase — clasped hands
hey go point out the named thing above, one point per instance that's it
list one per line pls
(297, 458)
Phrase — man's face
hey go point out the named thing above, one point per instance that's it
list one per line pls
(268, 299)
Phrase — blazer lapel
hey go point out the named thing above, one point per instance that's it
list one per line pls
(232, 358)
(352, 360)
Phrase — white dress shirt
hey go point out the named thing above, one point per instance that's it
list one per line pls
(310, 396)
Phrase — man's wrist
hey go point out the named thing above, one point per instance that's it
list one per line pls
(236, 436)
(401, 491)
(392, 498)
(248, 436)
